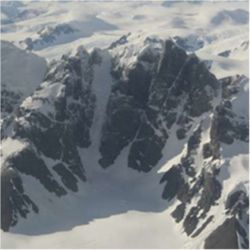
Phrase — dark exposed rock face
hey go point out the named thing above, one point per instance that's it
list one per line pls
(53, 135)
(141, 110)
(68, 178)
(203, 226)
(174, 183)
(122, 40)
(237, 205)
(227, 125)
(17, 84)
(146, 103)
(229, 235)
(14, 202)
(57, 134)
(28, 163)
(48, 35)
(128, 120)
(185, 184)
(8, 101)
(162, 88)
(190, 43)
(225, 53)
(181, 133)
(229, 239)
(236, 202)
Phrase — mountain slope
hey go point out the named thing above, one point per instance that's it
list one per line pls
(29, 71)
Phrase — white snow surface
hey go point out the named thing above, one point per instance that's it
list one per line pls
(118, 214)
(9, 147)
(101, 86)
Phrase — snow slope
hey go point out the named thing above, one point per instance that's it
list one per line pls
(21, 71)
(21, 74)
(138, 230)
(101, 86)
(118, 208)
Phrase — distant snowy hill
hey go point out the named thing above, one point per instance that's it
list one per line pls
(133, 134)
(64, 33)
(22, 73)
(237, 16)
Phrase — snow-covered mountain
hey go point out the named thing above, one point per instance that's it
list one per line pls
(64, 33)
(234, 16)
(140, 141)
(145, 98)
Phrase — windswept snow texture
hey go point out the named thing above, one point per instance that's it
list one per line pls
(114, 134)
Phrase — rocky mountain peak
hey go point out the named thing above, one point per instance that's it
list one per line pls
(147, 96)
